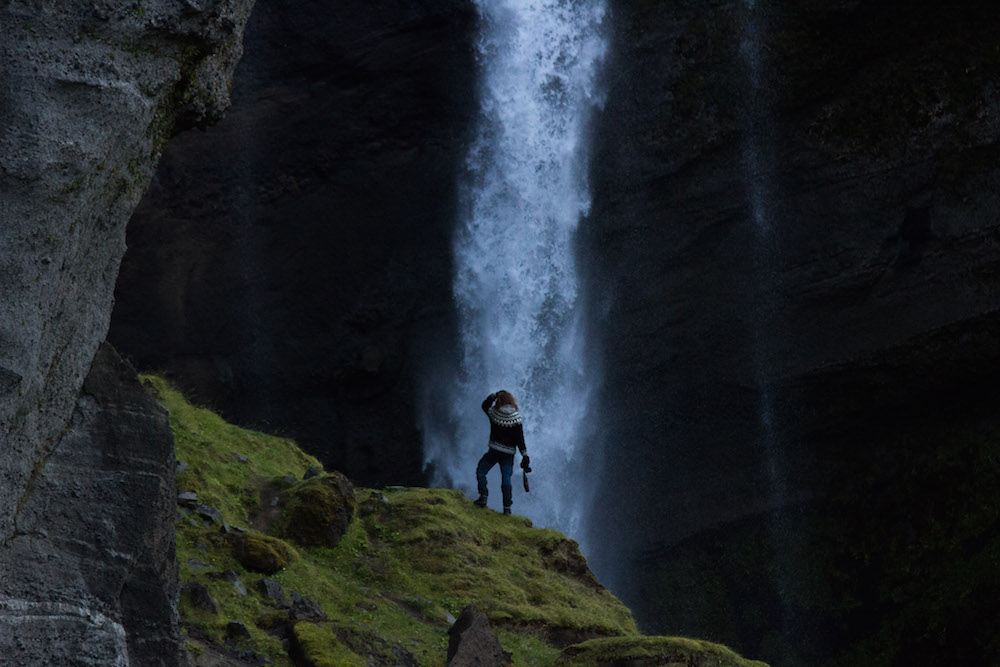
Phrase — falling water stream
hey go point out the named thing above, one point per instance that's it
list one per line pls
(759, 168)
(516, 281)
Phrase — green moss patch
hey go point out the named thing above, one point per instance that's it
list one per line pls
(643, 651)
(262, 553)
(321, 647)
(317, 511)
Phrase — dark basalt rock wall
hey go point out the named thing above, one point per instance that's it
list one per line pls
(866, 318)
(89, 573)
(284, 263)
(89, 94)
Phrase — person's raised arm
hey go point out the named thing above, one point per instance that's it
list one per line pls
(488, 402)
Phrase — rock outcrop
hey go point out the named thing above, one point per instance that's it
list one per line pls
(91, 93)
(88, 573)
(472, 642)
(317, 511)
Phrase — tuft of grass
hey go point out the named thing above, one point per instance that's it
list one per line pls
(210, 445)
(322, 648)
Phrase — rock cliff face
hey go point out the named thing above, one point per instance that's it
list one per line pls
(91, 91)
(772, 366)
(89, 574)
(285, 262)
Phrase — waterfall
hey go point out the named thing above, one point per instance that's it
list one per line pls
(516, 283)
(759, 166)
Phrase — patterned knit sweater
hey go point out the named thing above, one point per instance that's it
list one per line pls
(506, 431)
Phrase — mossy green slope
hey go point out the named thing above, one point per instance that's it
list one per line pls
(409, 562)
(635, 651)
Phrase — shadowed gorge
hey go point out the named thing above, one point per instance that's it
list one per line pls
(760, 343)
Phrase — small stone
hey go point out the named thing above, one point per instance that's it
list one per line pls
(261, 553)
(272, 591)
(288, 479)
(209, 513)
(181, 465)
(239, 457)
(236, 630)
(234, 579)
(471, 641)
(303, 608)
(225, 529)
(375, 501)
(311, 472)
(187, 498)
(199, 596)
(195, 564)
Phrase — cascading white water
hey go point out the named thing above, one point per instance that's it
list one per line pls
(516, 286)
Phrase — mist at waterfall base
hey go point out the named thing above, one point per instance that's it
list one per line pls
(520, 314)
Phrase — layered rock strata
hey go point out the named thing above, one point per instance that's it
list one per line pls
(89, 574)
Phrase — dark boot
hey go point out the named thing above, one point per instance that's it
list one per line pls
(508, 497)
(506, 510)
(480, 501)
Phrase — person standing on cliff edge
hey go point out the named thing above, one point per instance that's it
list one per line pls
(506, 435)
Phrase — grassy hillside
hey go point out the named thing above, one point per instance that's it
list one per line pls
(410, 560)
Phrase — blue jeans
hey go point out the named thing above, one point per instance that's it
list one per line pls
(490, 459)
